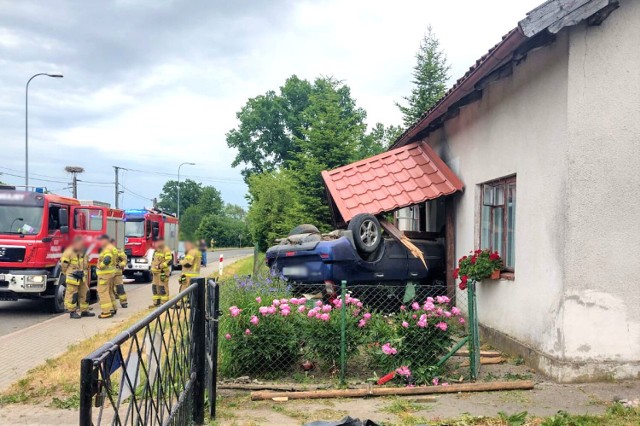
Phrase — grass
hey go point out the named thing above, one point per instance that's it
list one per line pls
(57, 381)
(241, 267)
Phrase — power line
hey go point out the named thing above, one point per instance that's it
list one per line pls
(203, 178)
(51, 177)
(135, 193)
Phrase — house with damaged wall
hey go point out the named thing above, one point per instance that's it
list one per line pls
(534, 152)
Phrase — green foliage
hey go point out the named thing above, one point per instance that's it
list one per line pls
(189, 195)
(228, 228)
(478, 265)
(517, 419)
(299, 131)
(275, 207)
(430, 76)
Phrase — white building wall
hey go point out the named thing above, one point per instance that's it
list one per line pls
(601, 309)
(567, 123)
(518, 127)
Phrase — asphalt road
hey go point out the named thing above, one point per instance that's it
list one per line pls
(23, 313)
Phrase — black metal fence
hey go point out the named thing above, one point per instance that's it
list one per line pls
(153, 373)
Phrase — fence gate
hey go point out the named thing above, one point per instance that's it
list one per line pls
(211, 332)
(153, 373)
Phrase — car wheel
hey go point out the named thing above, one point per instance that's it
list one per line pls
(367, 233)
(304, 229)
(57, 302)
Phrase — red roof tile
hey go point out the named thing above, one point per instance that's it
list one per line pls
(394, 179)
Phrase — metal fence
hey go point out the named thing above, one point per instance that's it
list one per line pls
(153, 373)
(403, 334)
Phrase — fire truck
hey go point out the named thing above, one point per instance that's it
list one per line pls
(142, 228)
(35, 228)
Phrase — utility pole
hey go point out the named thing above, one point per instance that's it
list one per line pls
(118, 192)
(75, 171)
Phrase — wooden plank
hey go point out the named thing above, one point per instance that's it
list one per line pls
(450, 246)
(546, 14)
(485, 361)
(484, 354)
(421, 390)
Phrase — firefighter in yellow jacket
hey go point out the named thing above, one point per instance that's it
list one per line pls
(75, 266)
(118, 282)
(160, 268)
(190, 264)
(106, 270)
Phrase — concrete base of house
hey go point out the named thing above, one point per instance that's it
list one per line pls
(559, 370)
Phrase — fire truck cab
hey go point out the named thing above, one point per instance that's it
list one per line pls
(142, 228)
(35, 228)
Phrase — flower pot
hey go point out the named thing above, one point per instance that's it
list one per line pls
(495, 275)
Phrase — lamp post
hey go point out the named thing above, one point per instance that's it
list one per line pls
(26, 125)
(182, 164)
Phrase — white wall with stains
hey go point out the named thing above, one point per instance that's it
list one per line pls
(567, 123)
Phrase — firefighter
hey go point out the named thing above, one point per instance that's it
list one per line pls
(190, 264)
(162, 258)
(106, 271)
(75, 266)
(121, 295)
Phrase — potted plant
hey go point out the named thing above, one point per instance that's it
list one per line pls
(477, 266)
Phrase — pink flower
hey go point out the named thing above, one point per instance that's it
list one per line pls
(405, 324)
(388, 349)
(227, 336)
(337, 303)
(444, 384)
(276, 302)
(422, 324)
(293, 301)
(271, 310)
(301, 309)
(461, 320)
(235, 311)
(428, 306)
(439, 312)
(367, 316)
(263, 310)
(435, 381)
(326, 308)
(311, 313)
(359, 304)
(442, 299)
(319, 303)
(403, 308)
(415, 306)
(362, 323)
(285, 312)
(247, 332)
(430, 299)
(259, 299)
(455, 311)
(302, 301)
(254, 320)
(284, 306)
(447, 314)
(442, 326)
(414, 316)
(404, 371)
(284, 301)
(324, 317)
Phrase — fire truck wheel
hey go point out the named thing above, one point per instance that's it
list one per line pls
(57, 302)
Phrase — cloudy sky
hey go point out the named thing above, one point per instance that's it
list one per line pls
(149, 84)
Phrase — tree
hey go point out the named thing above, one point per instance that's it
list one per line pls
(190, 192)
(430, 76)
(379, 139)
(228, 229)
(275, 207)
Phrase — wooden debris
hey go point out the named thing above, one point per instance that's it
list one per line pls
(485, 361)
(371, 391)
(483, 354)
(270, 386)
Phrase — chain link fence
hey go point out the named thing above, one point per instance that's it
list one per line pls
(332, 334)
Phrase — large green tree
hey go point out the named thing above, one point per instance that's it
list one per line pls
(430, 76)
(189, 195)
(228, 228)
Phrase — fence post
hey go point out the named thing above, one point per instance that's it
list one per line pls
(214, 351)
(343, 332)
(86, 391)
(474, 334)
(199, 350)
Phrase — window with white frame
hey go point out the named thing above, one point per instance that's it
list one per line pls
(498, 219)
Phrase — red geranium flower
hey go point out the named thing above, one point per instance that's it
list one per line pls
(455, 272)
(462, 286)
(464, 279)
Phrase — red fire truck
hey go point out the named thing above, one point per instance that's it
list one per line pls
(35, 228)
(142, 228)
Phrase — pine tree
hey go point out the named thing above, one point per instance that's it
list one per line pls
(430, 76)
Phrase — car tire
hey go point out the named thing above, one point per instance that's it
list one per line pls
(367, 233)
(57, 302)
(304, 229)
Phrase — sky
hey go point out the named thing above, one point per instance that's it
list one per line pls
(149, 84)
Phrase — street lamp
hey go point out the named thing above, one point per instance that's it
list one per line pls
(188, 164)
(26, 126)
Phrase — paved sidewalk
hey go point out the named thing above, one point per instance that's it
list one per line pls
(25, 349)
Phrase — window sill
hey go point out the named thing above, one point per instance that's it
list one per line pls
(510, 276)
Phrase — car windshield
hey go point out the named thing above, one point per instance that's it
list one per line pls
(134, 228)
(20, 219)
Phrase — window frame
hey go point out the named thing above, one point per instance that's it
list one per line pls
(505, 182)
(89, 223)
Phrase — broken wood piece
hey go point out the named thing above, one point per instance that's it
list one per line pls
(267, 386)
(485, 361)
(420, 390)
(485, 354)
(280, 399)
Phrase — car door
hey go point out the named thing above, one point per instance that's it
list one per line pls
(390, 267)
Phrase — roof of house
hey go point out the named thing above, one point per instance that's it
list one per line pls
(547, 19)
(397, 178)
